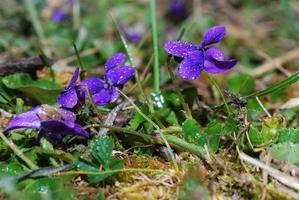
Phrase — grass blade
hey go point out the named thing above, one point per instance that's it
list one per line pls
(130, 58)
(278, 86)
(35, 20)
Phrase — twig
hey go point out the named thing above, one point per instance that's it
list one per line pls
(27, 65)
(111, 117)
(270, 65)
(281, 177)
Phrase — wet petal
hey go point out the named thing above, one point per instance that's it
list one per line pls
(119, 76)
(179, 48)
(215, 63)
(68, 99)
(57, 127)
(67, 115)
(25, 120)
(74, 79)
(94, 85)
(191, 67)
(214, 35)
(114, 61)
(106, 96)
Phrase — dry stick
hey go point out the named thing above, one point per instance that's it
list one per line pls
(270, 65)
(281, 177)
(277, 65)
(28, 65)
(111, 117)
(18, 152)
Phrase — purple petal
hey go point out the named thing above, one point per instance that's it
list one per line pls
(134, 37)
(106, 96)
(119, 76)
(25, 120)
(67, 115)
(191, 67)
(94, 85)
(58, 15)
(68, 99)
(57, 127)
(214, 62)
(114, 61)
(214, 35)
(179, 48)
(74, 79)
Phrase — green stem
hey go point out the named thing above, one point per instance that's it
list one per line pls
(291, 19)
(155, 45)
(220, 92)
(157, 127)
(91, 99)
(35, 20)
(18, 152)
(130, 58)
(79, 61)
(47, 62)
(177, 90)
(173, 140)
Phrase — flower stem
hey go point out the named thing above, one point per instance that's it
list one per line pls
(220, 92)
(18, 152)
(130, 58)
(155, 126)
(176, 88)
(155, 46)
(79, 61)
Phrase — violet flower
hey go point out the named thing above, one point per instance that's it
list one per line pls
(75, 94)
(59, 15)
(116, 73)
(195, 58)
(102, 91)
(178, 10)
(51, 121)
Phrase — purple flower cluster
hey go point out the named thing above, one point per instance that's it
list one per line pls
(196, 58)
(58, 122)
(102, 91)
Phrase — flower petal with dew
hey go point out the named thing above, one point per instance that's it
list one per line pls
(51, 121)
(179, 48)
(115, 61)
(195, 58)
(213, 35)
(119, 76)
(69, 98)
(191, 67)
(215, 63)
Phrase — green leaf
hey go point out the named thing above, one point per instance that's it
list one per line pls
(101, 148)
(286, 151)
(114, 164)
(43, 91)
(190, 130)
(288, 135)
(53, 188)
(139, 119)
(214, 131)
(255, 136)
